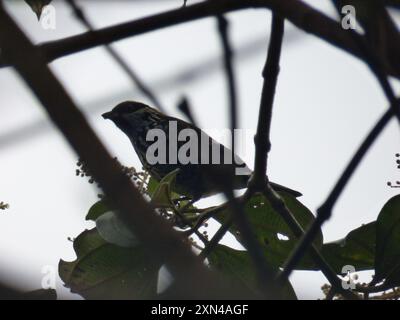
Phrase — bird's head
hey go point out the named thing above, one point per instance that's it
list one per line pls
(129, 116)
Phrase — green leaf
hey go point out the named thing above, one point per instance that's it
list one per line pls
(37, 6)
(98, 209)
(105, 271)
(387, 260)
(162, 196)
(272, 231)
(237, 267)
(356, 249)
(112, 229)
(152, 186)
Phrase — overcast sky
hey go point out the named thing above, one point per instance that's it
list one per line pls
(326, 102)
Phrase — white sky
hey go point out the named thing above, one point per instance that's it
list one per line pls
(326, 102)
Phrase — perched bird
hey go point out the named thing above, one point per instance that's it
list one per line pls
(136, 120)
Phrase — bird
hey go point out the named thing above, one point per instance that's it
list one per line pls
(137, 120)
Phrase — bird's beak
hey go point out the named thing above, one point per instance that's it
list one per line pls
(108, 115)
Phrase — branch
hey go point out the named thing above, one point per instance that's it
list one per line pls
(375, 63)
(259, 180)
(167, 245)
(230, 78)
(373, 58)
(80, 15)
(279, 206)
(270, 74)
(265, 272)
(223, 180)
(325, 211)
(296, 11)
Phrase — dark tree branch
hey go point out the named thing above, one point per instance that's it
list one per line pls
(375, 63)
(374, 60)
(224, 181)
(168, 246)
(132, 75)
(182, 77)
(296, 11)
(259, 180)
(325, 211)
(265, 272)
(279, 206)
(230, 77)
(270, 74)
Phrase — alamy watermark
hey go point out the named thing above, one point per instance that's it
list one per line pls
(189, 146)
(349, 20)
(48, 18)
(348, 283)
(49, 277)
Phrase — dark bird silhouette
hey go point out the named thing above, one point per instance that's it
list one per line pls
(190, 155)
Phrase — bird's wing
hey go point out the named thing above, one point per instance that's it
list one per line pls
(225, 156)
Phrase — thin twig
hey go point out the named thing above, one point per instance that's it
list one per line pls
(133, 76)
(264, 271)
(325, 211)
(224, 181)
(224, 227)
(216, 238)
(208, 214)
(375, 63)
(393, 295)
(179, 212)
(223, 26)
(299, 13)
(278, 204)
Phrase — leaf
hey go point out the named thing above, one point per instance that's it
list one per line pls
(162, 196)
(110, 226)
(356, 249)
(37, 6)
(112, 229)
(99, 208)
(105, 271)
(272, 231)
(238, 268)
(152, 186)
(387, 260)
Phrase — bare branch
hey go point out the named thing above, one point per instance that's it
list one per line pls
(230, 78)
(270, 75)
(224, 181)
(296, 11)
(325, 211)
(133, 76)
(259, 180)
(279, 206)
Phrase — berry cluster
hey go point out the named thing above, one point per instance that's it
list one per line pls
(140, 178)
(397, 183)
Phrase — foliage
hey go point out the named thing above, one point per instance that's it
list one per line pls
(111, 263)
